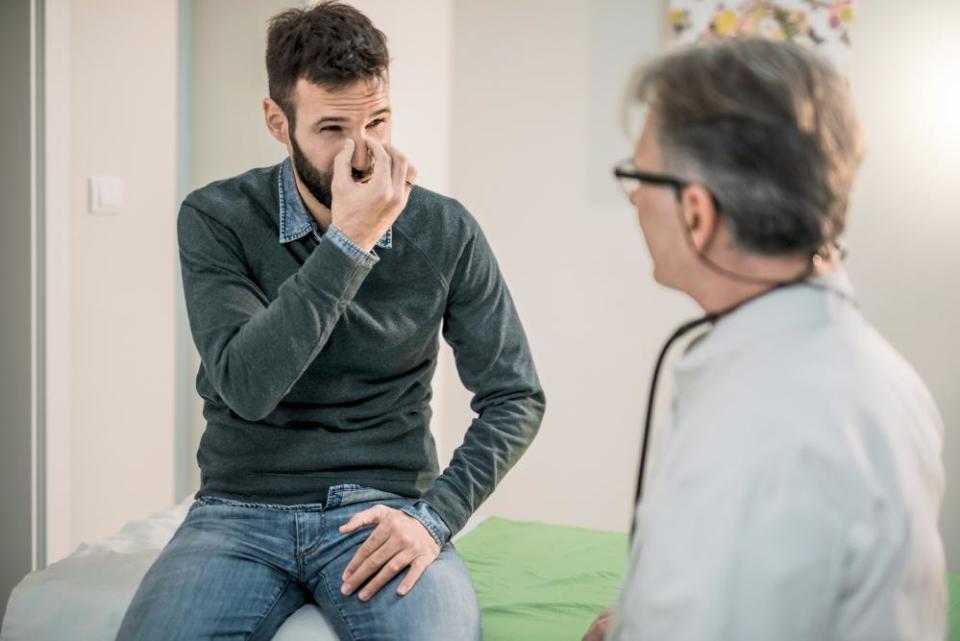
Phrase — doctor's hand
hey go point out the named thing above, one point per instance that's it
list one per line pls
(598, 629)
(398, 541)
(364, 211)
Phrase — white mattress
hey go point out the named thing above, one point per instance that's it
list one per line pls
(84, 596)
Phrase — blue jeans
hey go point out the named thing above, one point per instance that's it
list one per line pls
(237, 570)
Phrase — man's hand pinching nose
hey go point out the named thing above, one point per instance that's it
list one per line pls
(364, 210)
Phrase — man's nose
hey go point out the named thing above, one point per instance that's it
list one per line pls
(361, 161)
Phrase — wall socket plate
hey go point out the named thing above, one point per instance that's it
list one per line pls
(106, 194)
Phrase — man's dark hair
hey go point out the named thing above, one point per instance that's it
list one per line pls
(330, 44)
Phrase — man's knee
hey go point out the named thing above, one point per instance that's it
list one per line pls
(444, 602)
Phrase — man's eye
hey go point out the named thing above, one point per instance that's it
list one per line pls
(332, 128)
(376, 123)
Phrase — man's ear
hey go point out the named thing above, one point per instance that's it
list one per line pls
(700, 215)
(276, 121)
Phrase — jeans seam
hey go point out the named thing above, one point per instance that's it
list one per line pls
(336, 606)
(298, 553)
(311, 547)
(263, 616)
(273, 507)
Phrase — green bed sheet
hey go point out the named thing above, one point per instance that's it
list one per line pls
(541, 582)
(547, 582)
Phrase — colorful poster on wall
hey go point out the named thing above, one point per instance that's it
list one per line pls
(821, 24)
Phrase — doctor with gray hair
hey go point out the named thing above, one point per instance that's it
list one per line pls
(798, 485)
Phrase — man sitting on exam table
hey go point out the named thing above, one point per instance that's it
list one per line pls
(797, 491)
(317, 291)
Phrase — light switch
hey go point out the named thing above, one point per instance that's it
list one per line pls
(106, 194)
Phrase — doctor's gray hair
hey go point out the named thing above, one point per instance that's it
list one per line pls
(769, 128)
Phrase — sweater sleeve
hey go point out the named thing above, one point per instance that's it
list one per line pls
(494, 362)
(254, 350)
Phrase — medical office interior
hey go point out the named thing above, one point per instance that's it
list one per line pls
(114, 110)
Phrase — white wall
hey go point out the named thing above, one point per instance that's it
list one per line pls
(120, 314)
(905, 218)
(57, 255)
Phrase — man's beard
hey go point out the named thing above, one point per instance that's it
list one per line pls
(317, 182)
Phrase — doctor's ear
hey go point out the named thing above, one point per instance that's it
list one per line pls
(700, 215)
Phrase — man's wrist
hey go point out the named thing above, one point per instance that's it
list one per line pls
(351, 248)
(428, 517)
(363, 236)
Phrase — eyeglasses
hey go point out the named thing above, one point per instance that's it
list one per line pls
(630, 179)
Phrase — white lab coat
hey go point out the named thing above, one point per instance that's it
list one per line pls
(797, 491)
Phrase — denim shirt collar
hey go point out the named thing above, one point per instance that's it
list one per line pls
(295, 221)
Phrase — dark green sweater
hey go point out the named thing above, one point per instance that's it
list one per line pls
(317, 366)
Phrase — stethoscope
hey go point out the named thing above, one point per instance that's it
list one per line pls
(801, 280)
